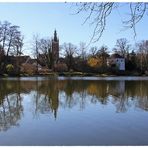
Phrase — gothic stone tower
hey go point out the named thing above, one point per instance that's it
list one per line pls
(55, 49)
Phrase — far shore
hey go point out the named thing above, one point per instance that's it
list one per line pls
(76, 74)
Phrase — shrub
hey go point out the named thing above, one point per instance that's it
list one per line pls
(9, 68)
(28, 69)
(61, 67)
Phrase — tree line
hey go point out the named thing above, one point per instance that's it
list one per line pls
(79, 58)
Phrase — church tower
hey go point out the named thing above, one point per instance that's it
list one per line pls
(55, 49)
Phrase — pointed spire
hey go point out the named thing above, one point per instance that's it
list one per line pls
(55, 114)
(55, 36)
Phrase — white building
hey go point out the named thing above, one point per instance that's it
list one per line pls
(116, 61)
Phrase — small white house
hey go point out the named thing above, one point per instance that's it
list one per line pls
(117, 61)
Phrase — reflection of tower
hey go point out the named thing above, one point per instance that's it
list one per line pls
(55, 49)
(54, 97)
(55, 104)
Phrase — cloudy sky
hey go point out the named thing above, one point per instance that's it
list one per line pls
(44, 18)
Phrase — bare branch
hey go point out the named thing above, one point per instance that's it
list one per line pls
(98, 13)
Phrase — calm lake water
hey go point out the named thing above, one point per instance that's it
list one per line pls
(74, 111)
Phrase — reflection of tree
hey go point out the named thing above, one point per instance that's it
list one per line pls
(117, 90)
(121, 103)
(10, 108)
(99, 90)
(46, 97)
(142, 98)
(51, 94)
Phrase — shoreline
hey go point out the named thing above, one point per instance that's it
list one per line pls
(74, 74)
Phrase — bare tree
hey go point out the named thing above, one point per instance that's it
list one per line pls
(142, 55)
(122, 47)
(98, 13)
(82, 50)
(42, 50)
(11, 41)
(18, 45)
(2, 53)
(10, 38)
(2, 57)
(35, 47)
(102, 54)
(69, 52)
(4, 29)
(93, 51)
(45, 51)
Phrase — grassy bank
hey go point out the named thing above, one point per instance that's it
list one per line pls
(79, 74)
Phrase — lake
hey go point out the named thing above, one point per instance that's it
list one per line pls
(74, 111)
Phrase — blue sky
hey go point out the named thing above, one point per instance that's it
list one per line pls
(43, 18)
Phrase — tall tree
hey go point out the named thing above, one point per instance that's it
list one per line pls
(35, 47)
(98, 61)
(122, 47)
(2, 57)
(4, 30)
(45, 51)
(132, 62)
(102, 54)
(11, 41)
(17, 45)
(70, 51)
(142, 55)
(42, 51)
(10, 36)
(82, 50)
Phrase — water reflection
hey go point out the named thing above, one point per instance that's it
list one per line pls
(49, 96)
(11, 108)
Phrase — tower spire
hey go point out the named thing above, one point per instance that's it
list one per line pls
(55, 36)
(55, 49)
